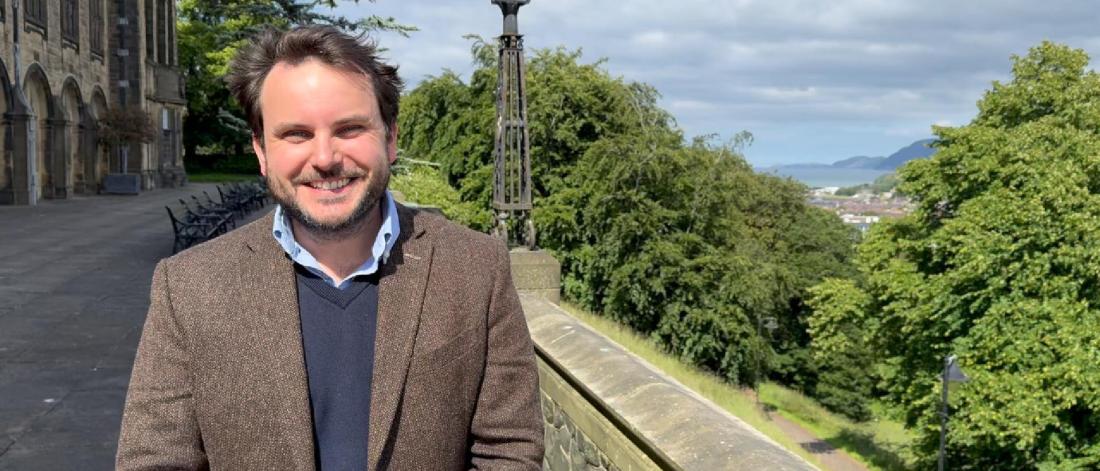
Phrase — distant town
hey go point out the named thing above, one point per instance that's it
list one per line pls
(861, 204)
(862, 209)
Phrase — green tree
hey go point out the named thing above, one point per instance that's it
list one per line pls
(425, 185)
(571, 105)
(882, 184)
(682, 241)
(999, 264)
(688, 244)
(210, 32)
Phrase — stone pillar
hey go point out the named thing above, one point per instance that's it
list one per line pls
(536, 272)
(58, 157)
(88, 155)
(21, 144)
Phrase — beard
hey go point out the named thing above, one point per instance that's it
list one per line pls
(377, 181)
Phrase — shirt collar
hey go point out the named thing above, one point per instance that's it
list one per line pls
(380, 251)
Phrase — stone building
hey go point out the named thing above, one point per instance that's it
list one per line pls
(76, 59)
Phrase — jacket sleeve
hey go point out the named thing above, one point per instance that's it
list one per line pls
(507, 425)
(159, 428)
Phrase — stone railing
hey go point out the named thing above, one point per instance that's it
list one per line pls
(606, 409)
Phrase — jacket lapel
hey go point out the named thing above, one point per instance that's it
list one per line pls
(268, 279)
(400, 299)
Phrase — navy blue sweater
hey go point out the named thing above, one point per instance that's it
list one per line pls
(338, 329)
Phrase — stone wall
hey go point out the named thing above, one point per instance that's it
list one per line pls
(606, 409)
(567, 447)
(59, 60)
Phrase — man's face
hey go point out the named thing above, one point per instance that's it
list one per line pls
(325, 152)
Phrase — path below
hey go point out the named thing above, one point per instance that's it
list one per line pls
(828, 456)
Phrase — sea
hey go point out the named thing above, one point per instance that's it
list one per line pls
(820, 177)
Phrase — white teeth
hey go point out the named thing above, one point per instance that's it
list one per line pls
(331, 185)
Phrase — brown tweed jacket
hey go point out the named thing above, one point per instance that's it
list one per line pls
(219, 380)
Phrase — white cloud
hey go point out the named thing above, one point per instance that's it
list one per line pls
(784, 94)
(689, 106)
(818, 80)
(651, 38)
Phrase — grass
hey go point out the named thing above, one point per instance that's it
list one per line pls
(219, 177)
(877, 443)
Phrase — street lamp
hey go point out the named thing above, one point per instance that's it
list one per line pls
(512, 148)
(762, 323)
(951, 373)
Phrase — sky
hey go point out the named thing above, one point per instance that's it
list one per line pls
(813, 81)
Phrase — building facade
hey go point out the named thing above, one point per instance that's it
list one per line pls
(76, 59)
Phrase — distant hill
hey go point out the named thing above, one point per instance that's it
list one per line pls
(916, 150)
(859, 162)
(853, 170)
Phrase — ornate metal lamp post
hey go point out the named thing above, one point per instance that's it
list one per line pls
(761, 324)
(512, 150)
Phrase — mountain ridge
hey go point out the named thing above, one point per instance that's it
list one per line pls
(917, 150)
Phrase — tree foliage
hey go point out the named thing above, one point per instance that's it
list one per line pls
(882, 184)
(425, 185)
(682, 241)
(570, 106)
(999, 264)
(126, 125)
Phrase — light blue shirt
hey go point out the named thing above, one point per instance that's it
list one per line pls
(383, 242)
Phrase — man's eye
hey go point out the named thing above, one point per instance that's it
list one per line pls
(296, 135)
(350, 131)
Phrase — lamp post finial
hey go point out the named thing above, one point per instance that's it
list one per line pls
(510, 8)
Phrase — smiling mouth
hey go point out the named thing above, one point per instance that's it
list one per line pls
(330, 184)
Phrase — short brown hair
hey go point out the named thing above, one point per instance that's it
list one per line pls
(253, 62)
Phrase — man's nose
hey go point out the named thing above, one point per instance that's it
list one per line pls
(325, 155)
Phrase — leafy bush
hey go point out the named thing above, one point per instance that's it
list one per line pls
(425, 185)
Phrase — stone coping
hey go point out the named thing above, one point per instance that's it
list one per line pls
(677, 427)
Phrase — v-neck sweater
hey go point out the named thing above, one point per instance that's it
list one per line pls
(338, 331)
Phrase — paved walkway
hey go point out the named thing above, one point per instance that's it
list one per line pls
(74, 288)
(831, 458)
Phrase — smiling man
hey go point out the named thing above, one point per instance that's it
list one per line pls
(343, 331)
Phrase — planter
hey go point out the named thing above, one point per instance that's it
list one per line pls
(122, 184)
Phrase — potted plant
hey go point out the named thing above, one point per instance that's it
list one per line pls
(123, 127)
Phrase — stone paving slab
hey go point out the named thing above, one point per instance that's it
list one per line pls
(74, 288)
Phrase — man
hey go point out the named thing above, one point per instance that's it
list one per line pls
(343, 331)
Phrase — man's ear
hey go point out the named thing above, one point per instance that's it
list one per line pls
(391, 145)
(258, 146)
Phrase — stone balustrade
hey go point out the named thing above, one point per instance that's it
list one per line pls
(606, 409)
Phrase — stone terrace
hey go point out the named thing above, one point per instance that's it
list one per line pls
(74, 287)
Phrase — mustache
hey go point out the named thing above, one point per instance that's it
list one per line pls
(328, 176)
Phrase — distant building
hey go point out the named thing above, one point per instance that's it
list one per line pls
(861, 222)
(77, 58)
(826, 191)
